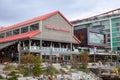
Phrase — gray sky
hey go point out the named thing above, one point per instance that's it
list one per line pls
(14, 11)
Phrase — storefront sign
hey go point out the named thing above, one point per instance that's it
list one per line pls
(57, 28)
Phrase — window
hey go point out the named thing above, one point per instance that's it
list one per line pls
(2, 35)
(107, 30)
(108, 35)
(118, 39)
(24, 29)
(16, 31)
(117, 24)
(34, 27)
(117, 29)
(9, 33)
(118, 48)
(108, 40)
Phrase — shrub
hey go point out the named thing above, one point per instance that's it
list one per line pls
(29, 58)
(26, 72)
(9, 67)
(51, 70)
(1, 77)
(12, 73)
(84, 56)
(83, 69)
(37, 67)
(32, 65)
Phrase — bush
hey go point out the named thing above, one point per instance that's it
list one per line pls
(32, 65)
(51, 70)
(26, 71)
(29, 58)
(84, 56)
(1, 77)
(83, 69)
(12, 73)
(13, 76)
(9, 67)
(37, 67)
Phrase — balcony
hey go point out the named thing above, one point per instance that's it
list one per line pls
(56, 49)
(37, 49)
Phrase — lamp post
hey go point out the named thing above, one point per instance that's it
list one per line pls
(19, 52)
(51, 55)
(94, 53)
(111, 56)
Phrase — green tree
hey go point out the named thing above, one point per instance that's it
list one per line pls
(32, 65)
(37, 66)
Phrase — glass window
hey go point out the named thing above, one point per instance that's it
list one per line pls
(113, 39)
(115, 48)
(118, 48)
(108, 35)
(16, 31)
(2, 35)
(107, 30)
(114, 34)
(115, 19)
(24, 29)
(114, 44)
(117, 29)
(118, 38)
(108, 40)
(9, 33)
(117, 24)
(113, 29)
(34, 27)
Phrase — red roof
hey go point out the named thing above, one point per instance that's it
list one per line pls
(20, 36)
(34, 20)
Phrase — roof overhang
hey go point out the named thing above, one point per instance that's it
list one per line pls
(20, 36)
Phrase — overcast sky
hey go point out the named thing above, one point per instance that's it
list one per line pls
(14, 11)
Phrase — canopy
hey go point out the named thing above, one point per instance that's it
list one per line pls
(3, 45)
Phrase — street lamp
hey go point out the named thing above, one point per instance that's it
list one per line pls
(51, 55)
(95, 50)
(111, 56)
(19, 52)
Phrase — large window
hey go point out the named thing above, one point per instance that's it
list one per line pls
(9, 33)
(2, 35)
(24, 29)
(34, 27)
(16, 31)
(96, 38)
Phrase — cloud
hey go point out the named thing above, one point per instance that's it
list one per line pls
(14, 11)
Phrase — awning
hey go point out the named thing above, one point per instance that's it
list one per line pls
(20, 36)
(3, 45)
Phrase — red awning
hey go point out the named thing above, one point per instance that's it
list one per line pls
(20, 36)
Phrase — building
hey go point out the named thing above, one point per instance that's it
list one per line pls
(108, 23)
(50, 36)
